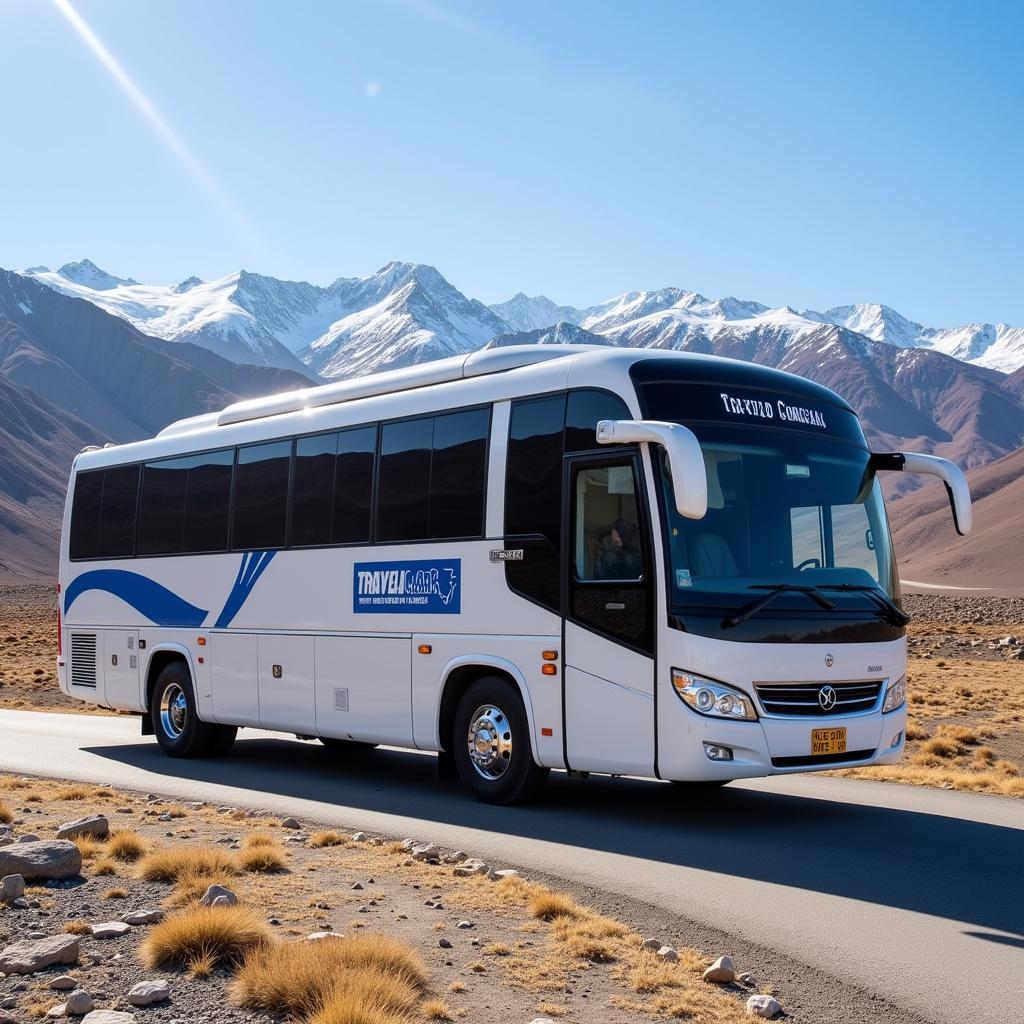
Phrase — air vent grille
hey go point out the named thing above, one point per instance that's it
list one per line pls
(340, 699)
(83, 659)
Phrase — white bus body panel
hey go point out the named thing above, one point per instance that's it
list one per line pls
(609, 705)
(363, 689)
(286, 699)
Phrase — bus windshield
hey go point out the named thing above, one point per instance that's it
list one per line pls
(783, 509)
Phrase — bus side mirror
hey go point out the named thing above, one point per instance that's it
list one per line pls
(948, 472)
(685, 459)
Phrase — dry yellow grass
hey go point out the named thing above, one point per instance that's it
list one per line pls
(78, 928)
(549, 905)
(369, 973)
(173, 865)
(328, 837)
(254, 839)
(104, 866)
(75, 792)
(552, 1009)
(11, 782)
(222, 936)
(88, 846)
(436, 1009)
(263, 859)
(498, 949)
(114, 894)
(457, 986)
(6, 814)
(126, 846)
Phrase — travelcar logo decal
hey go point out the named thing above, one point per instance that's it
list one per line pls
(427, 587)
(779, 409)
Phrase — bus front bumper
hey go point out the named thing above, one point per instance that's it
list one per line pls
(780, 746)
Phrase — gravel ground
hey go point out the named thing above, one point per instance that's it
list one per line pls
(411, 901)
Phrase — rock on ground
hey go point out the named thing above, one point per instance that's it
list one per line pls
(46, 860)
(721, 971)
(146, 992)
(763, 1006)
(11, 887)
(79, 1003)
(91, 825)
(31, 955)
(108, 1017)
(110, 929)
(219, 892)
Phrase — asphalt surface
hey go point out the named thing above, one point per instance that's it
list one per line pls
(910, 894)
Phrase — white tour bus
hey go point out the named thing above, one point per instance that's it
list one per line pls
(535, 557)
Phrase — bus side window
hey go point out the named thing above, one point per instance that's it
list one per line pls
(533, 498)
(260, 508)
(85, 513)
(118, 511)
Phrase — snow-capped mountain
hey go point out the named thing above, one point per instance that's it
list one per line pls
(529, 313)
(997, 346)
(407, 313)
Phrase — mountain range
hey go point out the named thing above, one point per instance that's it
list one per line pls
(90, 357)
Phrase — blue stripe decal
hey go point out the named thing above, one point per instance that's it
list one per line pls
(254, 563)
(146, 596)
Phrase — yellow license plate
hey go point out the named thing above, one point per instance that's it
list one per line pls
(828, 741)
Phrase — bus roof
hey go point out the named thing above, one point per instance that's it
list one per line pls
(476, 364)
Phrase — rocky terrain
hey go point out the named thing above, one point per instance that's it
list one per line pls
(118, 907)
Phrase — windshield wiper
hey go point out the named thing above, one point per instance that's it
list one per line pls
(893, 612)
(774, 589)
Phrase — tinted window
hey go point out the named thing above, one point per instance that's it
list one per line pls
(584, 410)
(260, 509)
(458, 475)
(353, 485)
(117, 512)
(184, 504)
(404, 482)
(313, 489)
(85, 513)
(533, 496)
(162, 507)
(208, 497)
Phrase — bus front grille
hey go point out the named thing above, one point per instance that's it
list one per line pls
(83, 659)
(807, 699)
(809, 760)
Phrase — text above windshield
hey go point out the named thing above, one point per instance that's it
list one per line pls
(759, 409)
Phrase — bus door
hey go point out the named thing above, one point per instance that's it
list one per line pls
(608, 599)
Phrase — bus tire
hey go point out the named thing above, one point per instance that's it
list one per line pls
(222, 740)
(345, 746)
(176, 723)
(491, 744)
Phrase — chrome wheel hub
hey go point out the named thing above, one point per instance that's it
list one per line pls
(490, 742)
(173, 711)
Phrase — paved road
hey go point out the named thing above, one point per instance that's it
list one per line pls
(915, 894)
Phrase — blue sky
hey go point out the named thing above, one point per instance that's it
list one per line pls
(801, 153)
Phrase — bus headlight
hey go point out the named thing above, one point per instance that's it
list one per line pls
(709, 697)
(896, 695)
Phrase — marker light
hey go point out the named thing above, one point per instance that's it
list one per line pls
(896, 695)
(712, 698)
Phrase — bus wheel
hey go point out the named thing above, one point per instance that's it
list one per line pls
(222, 741)
(491, 744)
(176, 724)
(345, 746)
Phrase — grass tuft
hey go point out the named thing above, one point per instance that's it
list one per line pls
(217, 936)
(371, 974)
(78, 928)
(89, 846)
(329, 837)
(126, 846)
(263, 859)
(75, 793)
(6, 814)
(186, 862)
(436, 1009)
(548, 905)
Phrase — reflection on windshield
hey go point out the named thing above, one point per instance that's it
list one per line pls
(784, 510)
